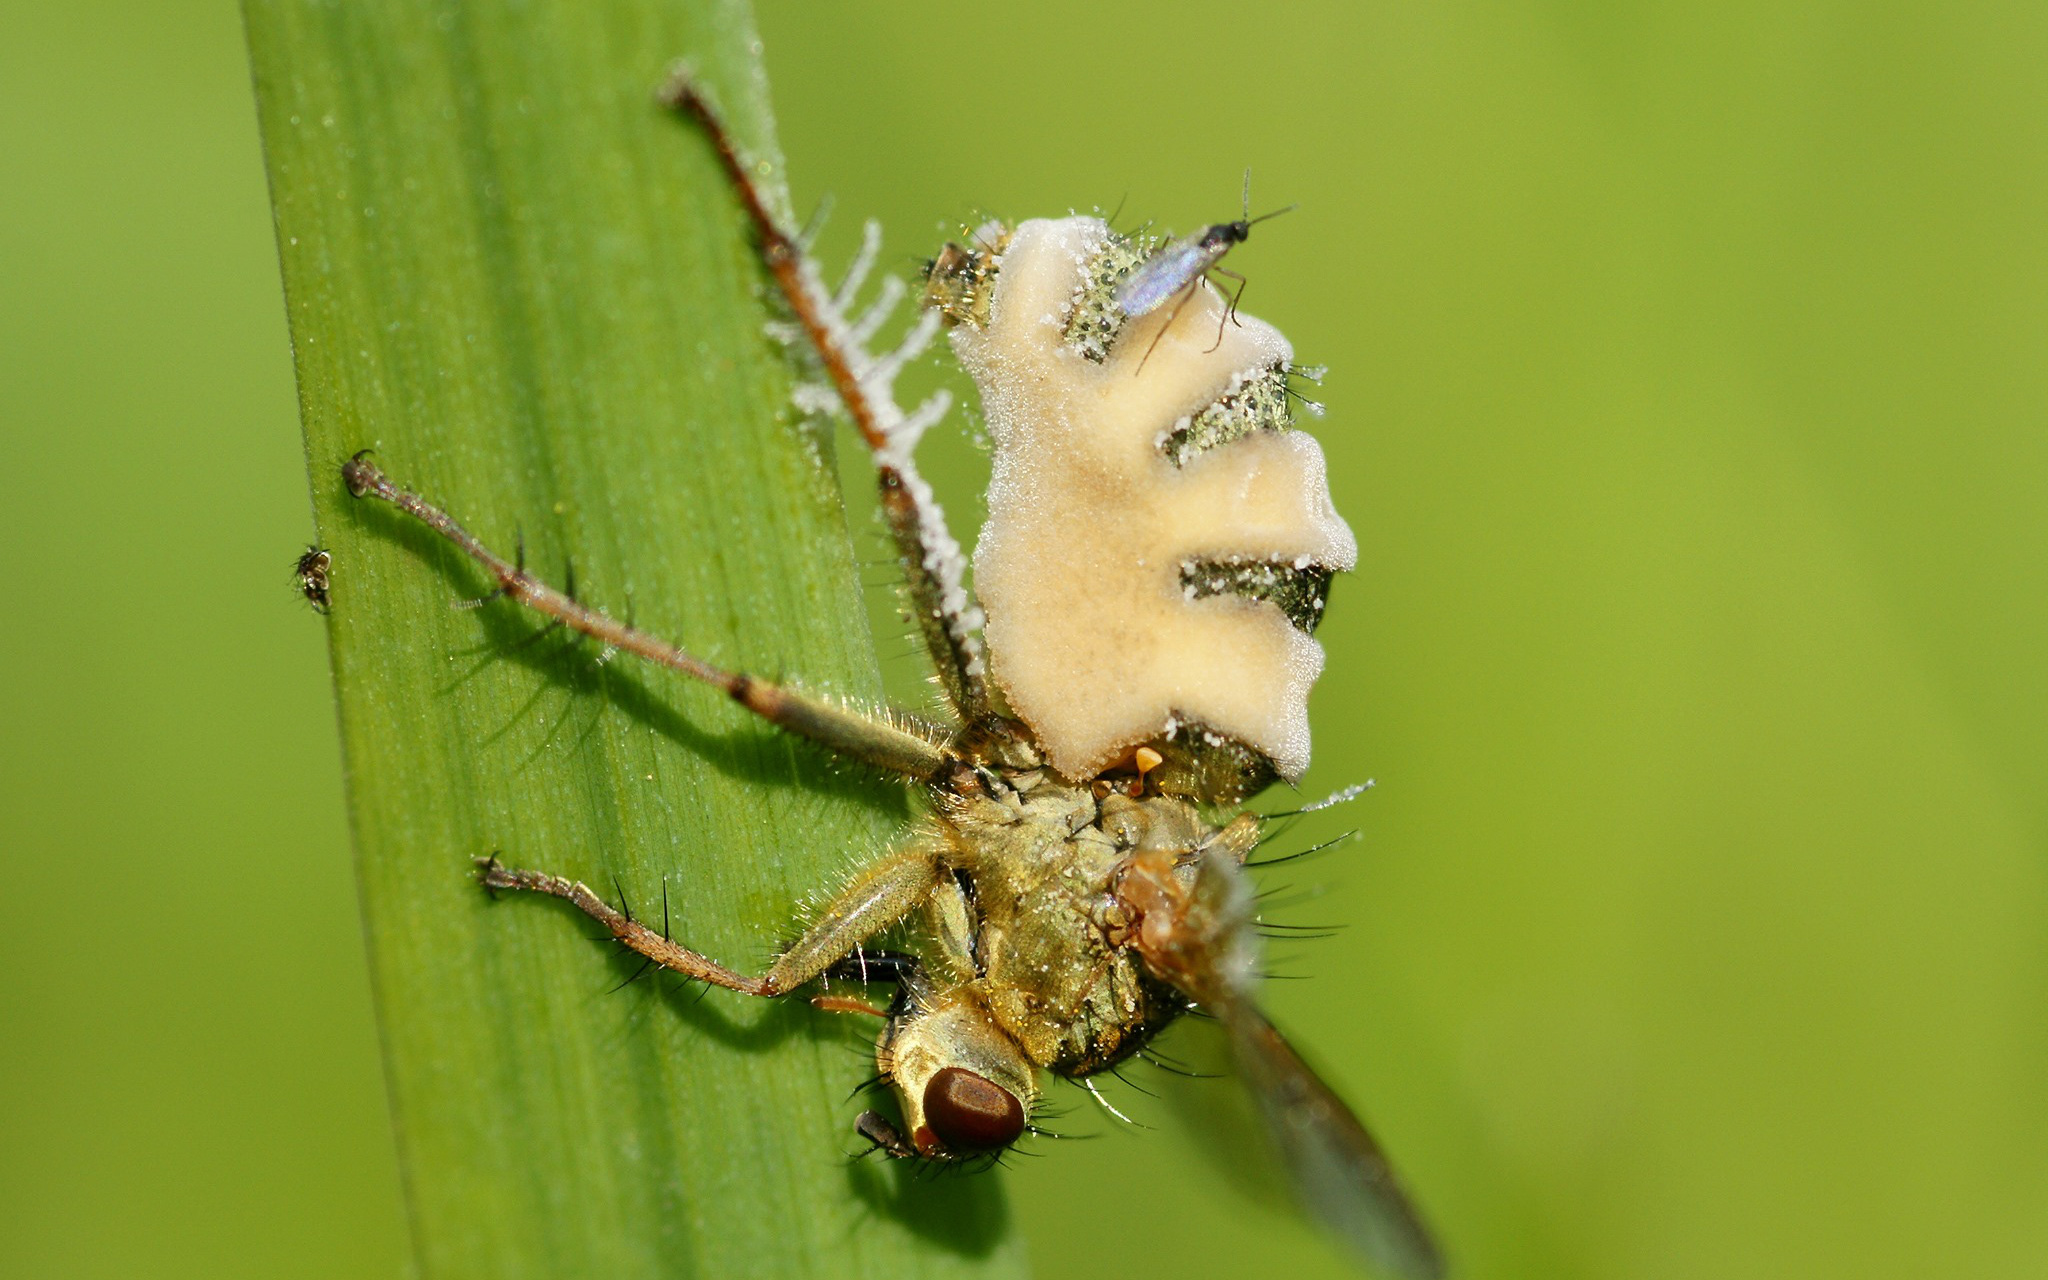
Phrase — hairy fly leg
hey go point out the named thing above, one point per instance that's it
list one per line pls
(880, 744)
(863, 383)
(878, 895)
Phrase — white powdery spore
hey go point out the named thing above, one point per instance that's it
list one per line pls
(814, 399)
(876, 376)
(857, 270)
(947, 565)
(870, 321)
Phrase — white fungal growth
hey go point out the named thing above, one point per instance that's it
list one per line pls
(942, 560)
(1092, 638)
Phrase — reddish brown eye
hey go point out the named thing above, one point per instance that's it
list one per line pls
(969, 1112)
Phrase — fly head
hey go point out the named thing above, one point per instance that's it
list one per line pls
(965, 1088)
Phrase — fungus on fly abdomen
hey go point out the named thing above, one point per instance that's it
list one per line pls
(1159, 546)
(1105, 502)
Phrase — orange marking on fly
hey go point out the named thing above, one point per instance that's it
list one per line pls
(1146, 759)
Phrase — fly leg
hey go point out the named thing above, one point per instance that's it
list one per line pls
(864, 384)
(1181, 301)
(873, 742)
(1229, 312)
(878, 896)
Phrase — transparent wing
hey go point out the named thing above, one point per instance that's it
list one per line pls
(1161, 276)
(1340, 1174)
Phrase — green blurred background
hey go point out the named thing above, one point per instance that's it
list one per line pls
(1687, 400)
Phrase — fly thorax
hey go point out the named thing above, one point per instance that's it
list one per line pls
(1159, 540)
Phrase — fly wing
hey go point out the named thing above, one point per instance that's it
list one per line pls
(1161, 276)
(1340, 1174)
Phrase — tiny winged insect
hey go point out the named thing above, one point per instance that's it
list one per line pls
(1133, 663)
(1174, 269)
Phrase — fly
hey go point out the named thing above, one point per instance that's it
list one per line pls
(1174, 269)
(1077, 882)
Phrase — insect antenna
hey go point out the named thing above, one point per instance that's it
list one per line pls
(1246, 206)
(1236, 234)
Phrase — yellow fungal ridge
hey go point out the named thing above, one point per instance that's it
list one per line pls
(1094, 639)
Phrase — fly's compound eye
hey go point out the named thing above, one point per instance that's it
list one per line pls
(968, 1112)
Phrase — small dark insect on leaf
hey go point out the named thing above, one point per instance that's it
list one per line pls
(1077, 882)
(310, 572)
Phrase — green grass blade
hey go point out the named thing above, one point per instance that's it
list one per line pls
(528, 288)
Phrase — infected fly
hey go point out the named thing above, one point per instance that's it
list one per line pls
(1132, 665)
(1174, 270)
